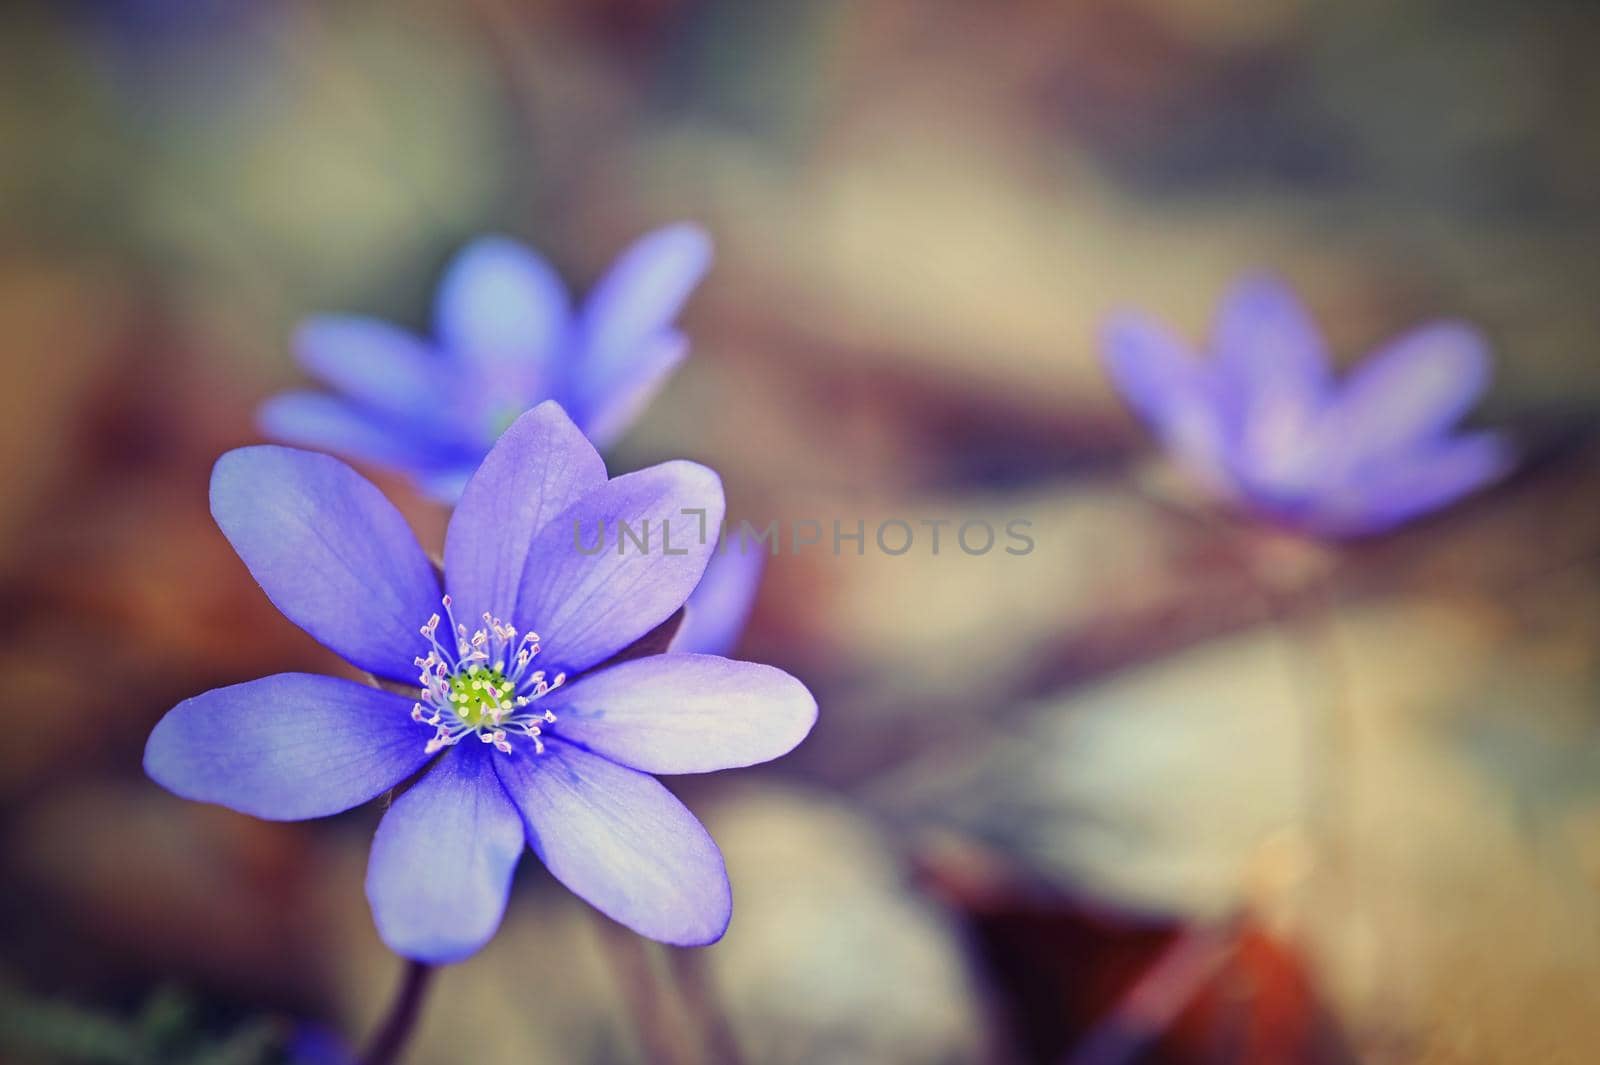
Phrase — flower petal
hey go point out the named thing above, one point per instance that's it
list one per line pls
(502, 305)
(608, 406)
(540, 467)
(323, 422)
(1170, 389)
(1400, 488)
(1266, 342)
(287, 747)
(715, 615)
(620, 840)
(442, 860)
(1413, 388)
(330, 551)
(372, 362)
(590, 589)
(1272, 368)
(638, 298)
(681, 713)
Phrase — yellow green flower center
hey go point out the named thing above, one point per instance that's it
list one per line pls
(481, 696)
(478, 684)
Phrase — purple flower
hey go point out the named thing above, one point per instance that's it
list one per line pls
(1262, 421)
(506, 338)
(547, 739)
(718, 608)
(312, 1044)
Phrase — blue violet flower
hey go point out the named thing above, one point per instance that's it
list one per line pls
(506, 337)
(715, 615)
(534, 712)
(1262, 423)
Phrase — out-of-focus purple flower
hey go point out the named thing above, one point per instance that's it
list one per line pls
(506, 337)
(312, 1044)
(153, 22)
(1262, 421)
(715, 615)
(558, 757)
(191, 59)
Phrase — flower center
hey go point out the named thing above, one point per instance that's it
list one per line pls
(476, 695)
(479, 683)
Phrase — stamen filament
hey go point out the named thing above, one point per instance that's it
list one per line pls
(463, 694)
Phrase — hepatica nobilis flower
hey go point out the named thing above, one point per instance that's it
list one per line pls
(715, 615)
(506, 337)
(1262, 421)
(547, 740)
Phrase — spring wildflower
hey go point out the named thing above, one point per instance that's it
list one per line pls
(1261, 421)
(512, 696)
(506, 337)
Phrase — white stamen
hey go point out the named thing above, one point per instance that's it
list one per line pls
(463, 694)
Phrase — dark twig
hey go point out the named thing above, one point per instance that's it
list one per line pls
(1157, 999)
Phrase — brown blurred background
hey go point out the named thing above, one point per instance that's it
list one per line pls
(1076, 799)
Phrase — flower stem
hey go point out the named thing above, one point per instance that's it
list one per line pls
(391, 1037)
(631, 965)
(1330, 731)
(700, 998)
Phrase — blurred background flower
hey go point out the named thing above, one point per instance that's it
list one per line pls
(719, 608)
(1036, 780)
(1259, 421)
(507, 339)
